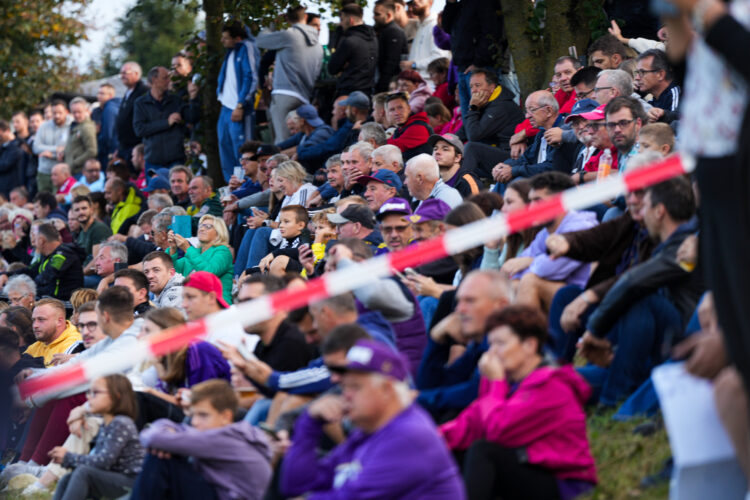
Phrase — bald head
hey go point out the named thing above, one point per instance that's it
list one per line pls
(542, 109)
(59, 174)
(421, 174)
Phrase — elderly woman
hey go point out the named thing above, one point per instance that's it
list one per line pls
(213, 254)
(412, 83)
(289, 179)
(526, 431)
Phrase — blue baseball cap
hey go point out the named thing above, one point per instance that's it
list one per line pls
(156, 182)
(582, 106)
(308, 113)
(357, 99)
(387, 177)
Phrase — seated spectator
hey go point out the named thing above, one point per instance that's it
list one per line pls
(54, 335)
(422, 179)
(448, 152)
(438, 70)
(372, 132)
(584, 82)
(412, 129)
(624, 116)
(92, 231)
(115, 461)
(543, 112)
(379, 109)
(496, 253)
(92, 177)
(657, 137)
(157, 185)
(110, 254)
(248, 183)
(541, 276)
(524, 404)
(393, 216)
(375, 392)
(179, 181)
(489, 123)
(293, 230)
(356, 221)
(213, 457)
(654, 299)
(600, 139)
(213, 254)
(606, 52)
(313, 130)
(654, 76)
(388, 157)
(17, 247)
(137, 283)
(356, 161)
(411, 83)
(21, 291)
(439, 117)
(159, 201)
(202, 295)
(585, 135)
(46, 207)
(18, 319)
(126, 203)
(164, 283)
(382, 185)
(203, 199)
(62, 182)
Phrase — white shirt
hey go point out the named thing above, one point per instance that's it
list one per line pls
(423, 49)
(228, 95)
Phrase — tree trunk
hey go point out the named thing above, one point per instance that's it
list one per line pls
(214, 10)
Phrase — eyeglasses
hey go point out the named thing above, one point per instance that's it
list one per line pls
(597, 89)
(593, 126)
(92, 393)
(246, 158)
(91, 325)
(205, 226)
(390, 229)
(641, 72)
(534, 110)
(583, 95)
(622, 124)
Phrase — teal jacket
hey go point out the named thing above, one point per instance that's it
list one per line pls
(215, 260)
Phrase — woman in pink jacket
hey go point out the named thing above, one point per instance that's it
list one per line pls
(525, 434)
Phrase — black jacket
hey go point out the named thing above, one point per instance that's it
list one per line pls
(356, 57)
(163, 143)
(477, 33)
(493, 124)
(392, 45)
(659, 274)
(126, 136)
(12, 166)
(58, 274)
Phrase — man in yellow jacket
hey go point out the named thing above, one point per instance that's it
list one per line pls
(54, 334)
(125, 202)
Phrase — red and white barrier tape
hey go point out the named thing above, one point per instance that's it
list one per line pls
(344, 280)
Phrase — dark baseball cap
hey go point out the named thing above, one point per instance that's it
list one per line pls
(308, 113)
(354, 213)
(581, 107)
(369, 356)
(156, 182)
(384, 176)
(394, 206)
(357, 99)
(451, 139)
(265, 150)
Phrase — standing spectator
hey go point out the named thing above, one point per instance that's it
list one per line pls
(130, 74)
(235, 90)
(654, 76)
(62, 182)
(607, 52)
(423, 49)
(391, 43)
(25, 128)
(356, 54)
(159, 120)
(299, 58)
(105, 118)
(92, 177)
(411, 82)
(12, 160)
(409, 24)
(49, 143)
(412, 129)
(477, 37)
(81, 145)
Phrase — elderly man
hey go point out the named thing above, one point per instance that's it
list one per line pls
(542, 110)
(313, 131)
(356, 221)
(388, 157)
(50, 141)
(379, 187)
(395, 226)
(92, 177)
(110, 253)
(423, 181)
(62, 182)
(356, 162)
(202, 198)
(654, 76)
(375, 387)
(163, 282)
(81, 145)
(127, 139)
(21, 291)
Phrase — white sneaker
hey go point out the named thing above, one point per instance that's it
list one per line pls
(34, 489)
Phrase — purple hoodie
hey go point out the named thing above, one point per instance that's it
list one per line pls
(572, 272)
(234, 459)
(405, 459)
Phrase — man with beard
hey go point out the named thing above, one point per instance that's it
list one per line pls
(93, 231)
(625, 117)
(50, 141)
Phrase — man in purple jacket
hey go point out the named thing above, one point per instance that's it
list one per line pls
(539, 276)
(394, 453)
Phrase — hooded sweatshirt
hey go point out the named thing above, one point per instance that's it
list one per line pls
(355, 58)
(543, 415)
(299, 58)
(234, 459)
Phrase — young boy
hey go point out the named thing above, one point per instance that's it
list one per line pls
(657, 137)
(229, 460)
(293, 221)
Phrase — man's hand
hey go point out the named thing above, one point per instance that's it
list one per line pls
(448, 328)
(60, 153)
(570, 320)
(597, 351)
(105, 283)
(553, 136)
(174, 118)
(357, 125)
(557, 245)
(516, 150)
(57, 454)
(329, 409)
(424, 285)
(118, 237)
(479, 99)
(237, 114)
(256, 220)
(654, 114)
(232, 207)
(47, 154)
(164, 455)
(614, 30)
(232, 355)
(705, 353)
(234, 183)
(405, 65)
(516, 265)
(60, 358)
(265, 262)
(491, 366)
(687, 253)
(314, 200)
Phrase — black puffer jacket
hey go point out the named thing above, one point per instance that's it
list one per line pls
(126, 136)
(477, 34)
(356, 58)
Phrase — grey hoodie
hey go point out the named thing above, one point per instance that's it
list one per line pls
(299, 58)
(171, 294)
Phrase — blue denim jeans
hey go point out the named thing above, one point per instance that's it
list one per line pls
(231, 137)
(260, 246)
(240, 260)
(171, 478)
(563, 344)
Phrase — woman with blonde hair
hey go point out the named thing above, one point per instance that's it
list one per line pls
(212, 255)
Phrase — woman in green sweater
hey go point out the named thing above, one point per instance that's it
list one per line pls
(213, 254)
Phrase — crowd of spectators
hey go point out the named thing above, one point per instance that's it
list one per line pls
(465, 377)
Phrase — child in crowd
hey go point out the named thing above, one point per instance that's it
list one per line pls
(657, 137)
(227, 460)
(111, 467)
(293, 221)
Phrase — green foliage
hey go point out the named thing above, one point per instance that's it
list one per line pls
(596, 17)
(34, 36)
(537, 13)
(154, 30)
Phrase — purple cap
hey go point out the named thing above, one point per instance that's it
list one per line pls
(394, 206)
(430, 209)
(375, 357)
(387, 177)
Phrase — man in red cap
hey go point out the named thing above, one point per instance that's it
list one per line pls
(202, 295)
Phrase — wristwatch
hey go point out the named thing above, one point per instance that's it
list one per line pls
(240, 105)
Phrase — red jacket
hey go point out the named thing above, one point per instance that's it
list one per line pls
(593, 164)
(544, 415)
(564, 100)
(411, 134)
